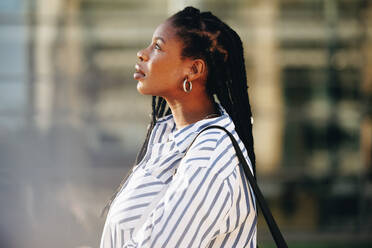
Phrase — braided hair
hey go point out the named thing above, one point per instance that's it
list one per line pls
(206, 37)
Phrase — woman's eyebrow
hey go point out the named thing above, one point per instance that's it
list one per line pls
(159, 38)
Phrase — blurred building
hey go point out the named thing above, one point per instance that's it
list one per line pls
(71, 120)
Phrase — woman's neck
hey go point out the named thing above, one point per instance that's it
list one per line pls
(186, 112)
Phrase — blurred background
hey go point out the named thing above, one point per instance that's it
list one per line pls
(71, 120)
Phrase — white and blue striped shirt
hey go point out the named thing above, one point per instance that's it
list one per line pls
(206, 203)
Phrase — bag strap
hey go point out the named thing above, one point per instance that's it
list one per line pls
(274, 229)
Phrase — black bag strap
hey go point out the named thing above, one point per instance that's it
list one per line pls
(274, 229)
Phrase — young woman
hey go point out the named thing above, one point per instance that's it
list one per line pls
(200, 198)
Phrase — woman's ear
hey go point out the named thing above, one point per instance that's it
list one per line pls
(197, 70)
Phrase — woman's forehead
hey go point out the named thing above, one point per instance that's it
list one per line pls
(164, 31)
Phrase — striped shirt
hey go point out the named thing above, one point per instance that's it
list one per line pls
(201, 199)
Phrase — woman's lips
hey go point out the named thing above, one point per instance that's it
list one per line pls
(139, 73)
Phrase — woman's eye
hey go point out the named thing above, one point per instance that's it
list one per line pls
(157, 46)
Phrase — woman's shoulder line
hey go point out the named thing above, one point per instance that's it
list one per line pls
(212, 148)
(209, 139)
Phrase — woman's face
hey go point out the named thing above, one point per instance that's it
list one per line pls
(161, 71)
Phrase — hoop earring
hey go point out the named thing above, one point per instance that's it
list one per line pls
(184, 86)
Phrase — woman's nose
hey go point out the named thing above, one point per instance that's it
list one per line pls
(141, 55)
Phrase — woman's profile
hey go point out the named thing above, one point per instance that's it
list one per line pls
(194, 70)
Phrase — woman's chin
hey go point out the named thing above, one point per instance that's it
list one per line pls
(142, 89)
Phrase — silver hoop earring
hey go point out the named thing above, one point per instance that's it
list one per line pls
(184, 86)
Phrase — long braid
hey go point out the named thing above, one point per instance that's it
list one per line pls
(240, 93)
(161, 107)
(158, 109)
(242, 116)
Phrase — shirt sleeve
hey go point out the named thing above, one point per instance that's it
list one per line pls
(191, 211)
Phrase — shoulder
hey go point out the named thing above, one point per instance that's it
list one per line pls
(208, 139)
(213, 150)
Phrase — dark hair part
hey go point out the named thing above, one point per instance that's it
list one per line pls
(206, 37)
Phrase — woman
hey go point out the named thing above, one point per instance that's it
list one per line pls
(200, 198)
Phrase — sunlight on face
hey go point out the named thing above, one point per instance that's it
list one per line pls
(161, 70)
